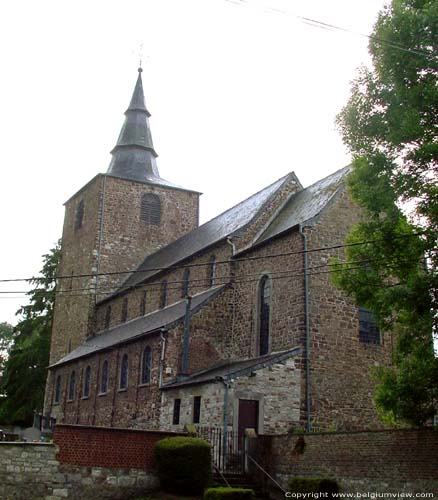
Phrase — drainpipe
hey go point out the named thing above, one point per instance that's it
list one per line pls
(306, 313)
(227, 384)
(185, 353)
(163, 349)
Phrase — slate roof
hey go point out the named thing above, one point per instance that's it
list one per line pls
(161, 319)
(304, 206)
(217, 229)
(233, 369)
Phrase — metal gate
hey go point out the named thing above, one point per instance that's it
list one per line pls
(227, 449)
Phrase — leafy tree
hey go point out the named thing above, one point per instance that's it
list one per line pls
(26, 367)
(5, 344)
(390, 125)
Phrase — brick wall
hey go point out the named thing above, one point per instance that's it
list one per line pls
(107, 447)
(388, 460)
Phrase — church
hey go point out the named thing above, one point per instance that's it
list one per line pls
(160, 322)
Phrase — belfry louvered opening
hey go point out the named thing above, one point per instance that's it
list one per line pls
(150, 209)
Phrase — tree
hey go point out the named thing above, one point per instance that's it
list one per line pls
(26, 367)
(5, 344)
(390, 125)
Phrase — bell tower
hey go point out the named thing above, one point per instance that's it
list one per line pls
(112, 223)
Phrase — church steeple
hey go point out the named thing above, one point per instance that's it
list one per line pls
(134, 155)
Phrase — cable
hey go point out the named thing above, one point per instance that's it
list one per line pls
(201, 264)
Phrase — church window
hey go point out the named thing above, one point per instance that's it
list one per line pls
(104, 378)
(146, 365)
(79, 215)
(124, 310)
(176, 411)
(212, 270)
(124, 373)
(87, 381)
(150, 210)
(107, 317)
(72, 386)
(196, 409)
(143, 304)
(185, 282)
(57, 389)
(368, 331)
(163, 294)
(264, 315)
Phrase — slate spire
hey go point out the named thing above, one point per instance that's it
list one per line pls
(134, 155)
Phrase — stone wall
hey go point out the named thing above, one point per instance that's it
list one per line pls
(32, 471)
(368, 461)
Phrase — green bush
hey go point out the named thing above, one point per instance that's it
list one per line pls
(313, 485)
(223, 493)
(183, 464)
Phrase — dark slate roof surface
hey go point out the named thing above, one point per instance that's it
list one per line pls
(305, 205)
(233, 368)
(156, 320)
(217, 229)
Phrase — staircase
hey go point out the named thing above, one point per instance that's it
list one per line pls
(240, 481)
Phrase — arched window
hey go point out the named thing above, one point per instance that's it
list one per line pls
(72, 386)
(185, 282)
(211, 270)
(163, 294)
(107, 317)
(150, 209)
(57, 390)
(146, 365)
(264, 301)
(143, 304)
(79, 215)
(104, 378)
(124, 373)
(87, 382)
(124, 315)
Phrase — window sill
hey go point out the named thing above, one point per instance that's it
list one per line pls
(124, 389)
(145, 384)
(102, 393)
(70, 400)
(85, 397)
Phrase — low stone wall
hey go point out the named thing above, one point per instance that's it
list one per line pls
(370, 461)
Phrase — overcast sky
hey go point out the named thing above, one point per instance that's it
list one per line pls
(240, 93)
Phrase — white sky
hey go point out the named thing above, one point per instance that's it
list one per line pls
(239, 97)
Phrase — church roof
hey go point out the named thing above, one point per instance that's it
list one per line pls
(134, 156)
(217, 229)
(162, 319)
(305, 206)
(233, 369)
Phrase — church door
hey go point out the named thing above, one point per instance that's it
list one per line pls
(248, 416)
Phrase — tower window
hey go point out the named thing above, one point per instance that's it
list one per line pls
(79, 215)
(87, 381)
(212, 270)
(150, 209)
(124, 315)
(146, 363)
(368, 331)
(124, 373)
(104, 378)
(57, 389)
(264, 314)
(185, 282)
(163, 294)
(72, 386)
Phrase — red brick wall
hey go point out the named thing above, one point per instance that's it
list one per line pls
(393, 457)
(107, 447)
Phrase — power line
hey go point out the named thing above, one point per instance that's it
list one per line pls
(333, 27)
(217, 262)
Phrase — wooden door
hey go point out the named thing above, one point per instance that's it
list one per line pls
(248, 416)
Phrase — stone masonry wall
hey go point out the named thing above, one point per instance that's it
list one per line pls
(371, 461)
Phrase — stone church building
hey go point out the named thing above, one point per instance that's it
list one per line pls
(160, 322)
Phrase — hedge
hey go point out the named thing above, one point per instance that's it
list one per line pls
(183, 464)
(223, 493)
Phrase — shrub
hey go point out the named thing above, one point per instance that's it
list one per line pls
(223, 493)
(183, 464)
(313, 485)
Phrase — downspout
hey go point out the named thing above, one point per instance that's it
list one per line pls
(99, 249)
(163, 350)
(227, 384)
(307, 323)
(186, 339)
(231, 273)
